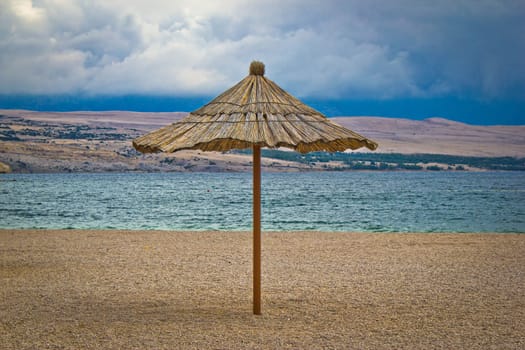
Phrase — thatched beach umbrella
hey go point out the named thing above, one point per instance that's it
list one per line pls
(254, 113)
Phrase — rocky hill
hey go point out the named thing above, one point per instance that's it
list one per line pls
(4, 168)
(101, 141)
(439, 136)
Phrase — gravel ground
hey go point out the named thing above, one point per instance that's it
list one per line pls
(82, 289)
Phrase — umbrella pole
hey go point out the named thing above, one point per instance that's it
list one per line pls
(256, 230)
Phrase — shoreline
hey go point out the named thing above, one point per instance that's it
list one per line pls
(111, 289)
(249, 231)
(267, 170)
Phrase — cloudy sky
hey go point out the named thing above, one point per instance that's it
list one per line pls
(461, 59)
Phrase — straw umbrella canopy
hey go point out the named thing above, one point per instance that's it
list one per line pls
(254, 113)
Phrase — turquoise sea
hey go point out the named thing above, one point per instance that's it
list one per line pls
(324, 201)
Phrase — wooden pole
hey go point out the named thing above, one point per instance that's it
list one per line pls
(256, 230)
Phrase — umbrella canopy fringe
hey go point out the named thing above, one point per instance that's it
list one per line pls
(223, 145)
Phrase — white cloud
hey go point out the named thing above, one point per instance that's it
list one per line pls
(333, 49)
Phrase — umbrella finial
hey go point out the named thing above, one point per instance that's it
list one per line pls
(257, 68)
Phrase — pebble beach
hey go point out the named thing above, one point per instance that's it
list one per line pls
(103, 289)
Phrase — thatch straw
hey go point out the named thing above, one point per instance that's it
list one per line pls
(255, 111)
(257, 68)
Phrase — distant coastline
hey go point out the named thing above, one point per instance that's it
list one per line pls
(63, 142)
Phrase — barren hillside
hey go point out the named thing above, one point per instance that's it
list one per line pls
(439, 136)
(101, 141)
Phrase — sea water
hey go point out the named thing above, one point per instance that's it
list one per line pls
(323, 201)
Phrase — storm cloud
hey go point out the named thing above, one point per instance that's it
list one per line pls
(329, 49)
